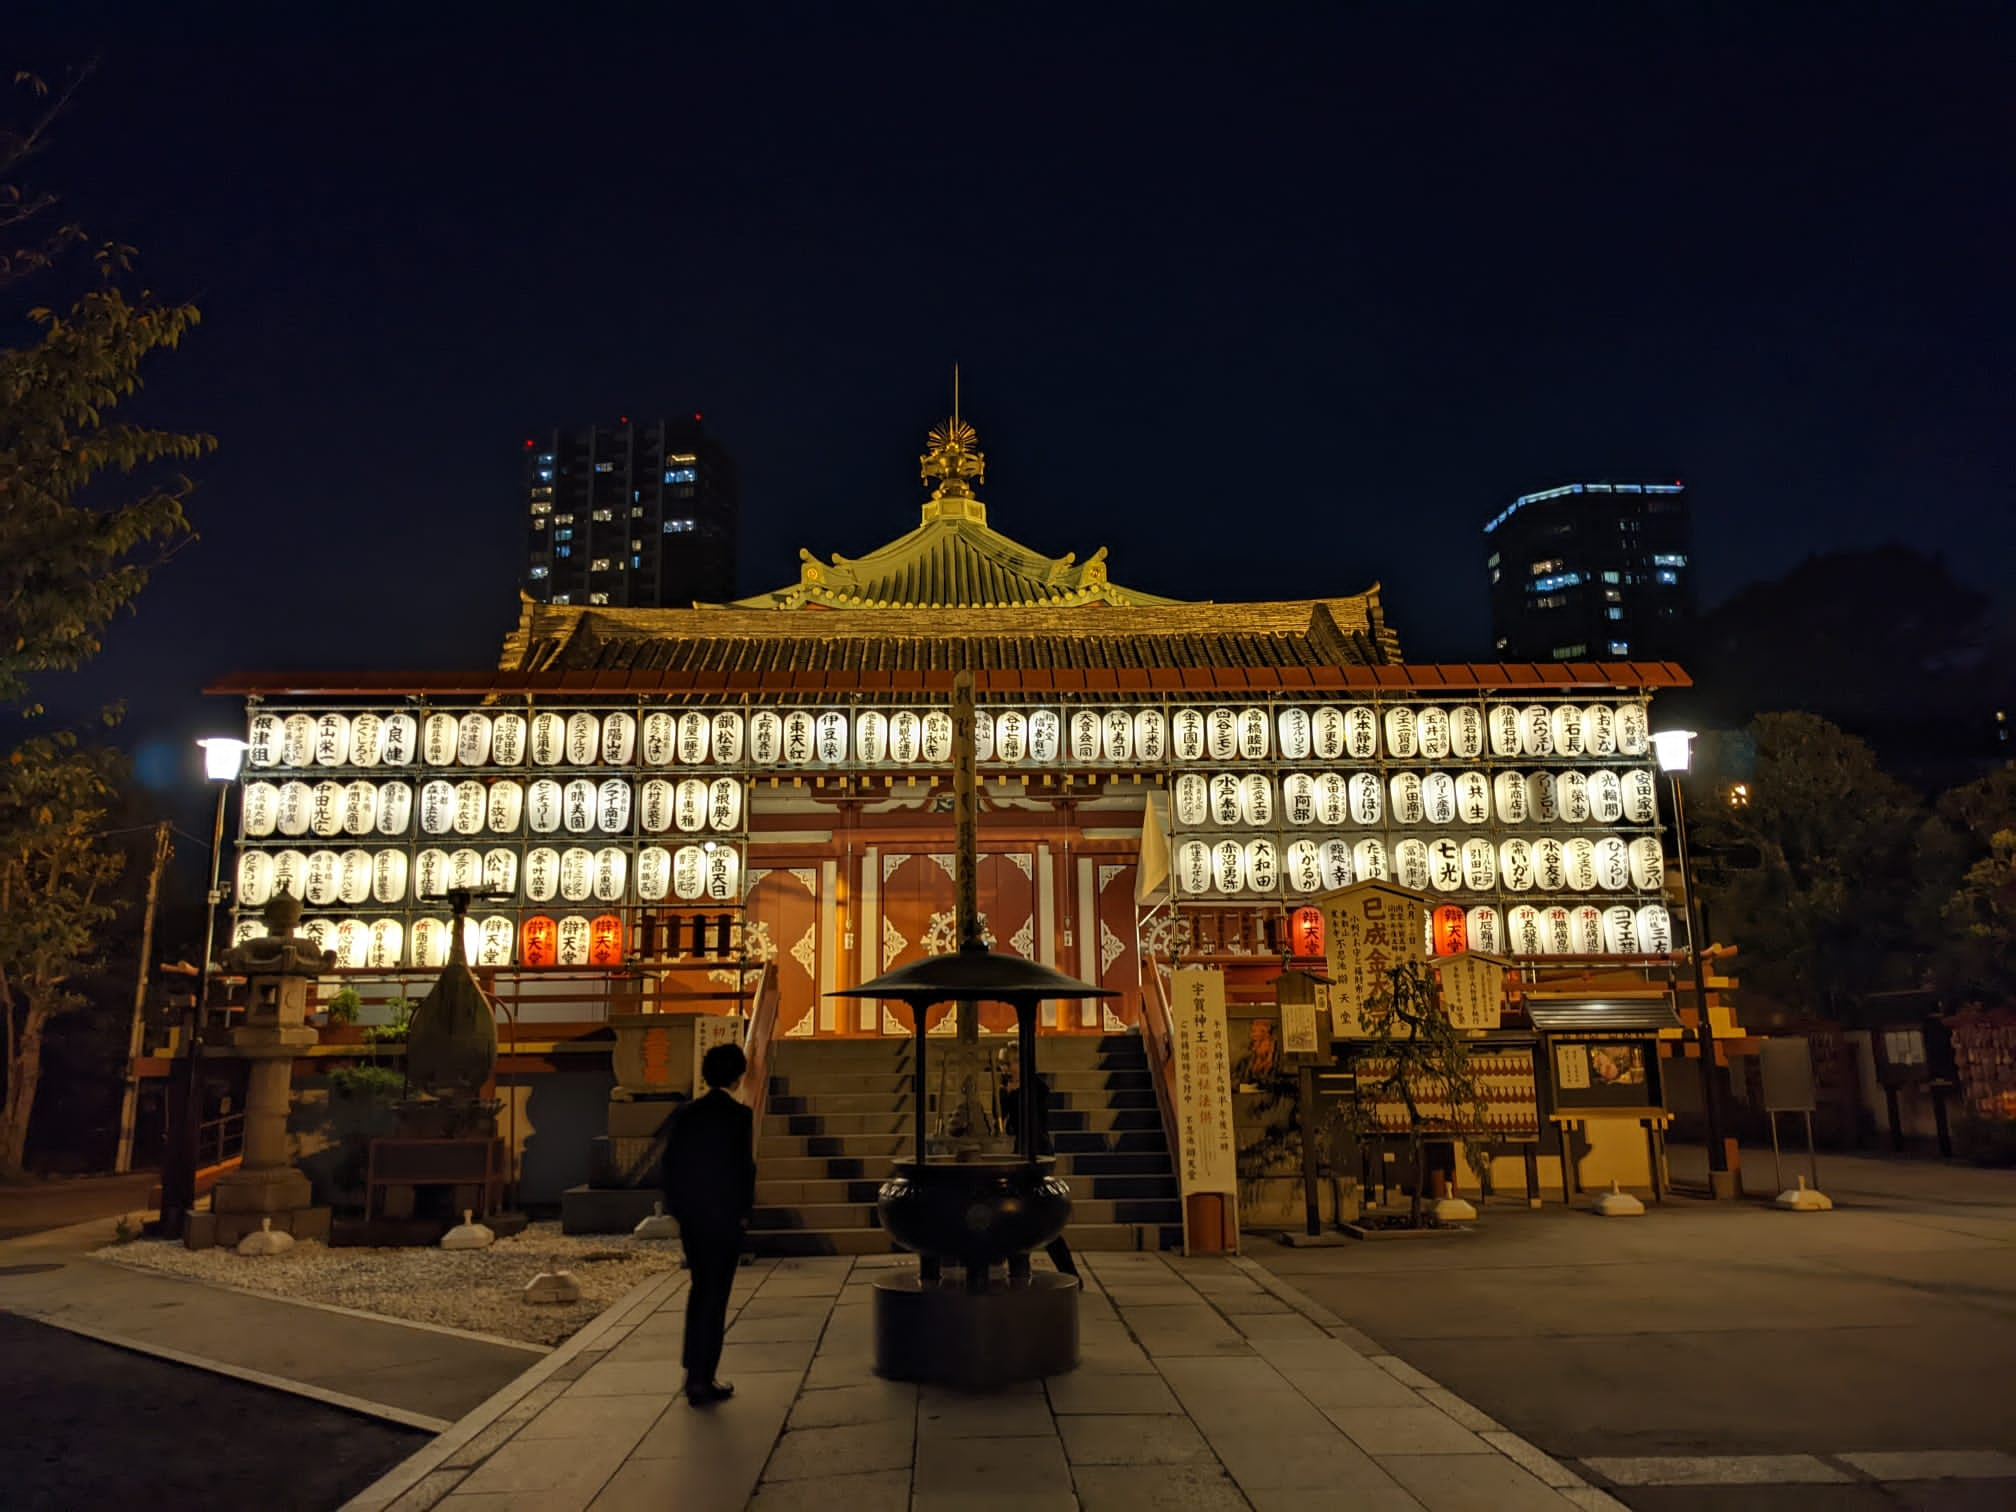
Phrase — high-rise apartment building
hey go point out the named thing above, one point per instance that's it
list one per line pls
(643, 516)
(1593, 572)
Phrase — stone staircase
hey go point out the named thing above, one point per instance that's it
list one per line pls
(841, 1112)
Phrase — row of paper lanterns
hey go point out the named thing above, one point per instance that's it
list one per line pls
(546, 806)
(381, 944)
(324, 877)
(904, 737)
(1558, 929)
(1331, 799)
(1441, 864)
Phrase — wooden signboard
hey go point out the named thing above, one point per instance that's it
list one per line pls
(1473, 988)
(1368, 929)
(1207, 1159)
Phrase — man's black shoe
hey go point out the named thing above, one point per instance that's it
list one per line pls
(707, 1394)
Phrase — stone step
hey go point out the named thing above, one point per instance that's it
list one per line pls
(841, 1215)
(1138, 1141)
(1071, 1166)
(889, 1146)
(787, 1191)
(1095, 1238)
(1101, 1081)
(1076, 1120)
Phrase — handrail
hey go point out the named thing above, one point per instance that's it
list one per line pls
(1158, 1033)
(756, 1042)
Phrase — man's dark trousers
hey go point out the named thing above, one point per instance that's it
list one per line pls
(710, 1186)
(711, 1258)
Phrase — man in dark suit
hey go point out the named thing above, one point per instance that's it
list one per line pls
(710, 1187)
(1031, 1103)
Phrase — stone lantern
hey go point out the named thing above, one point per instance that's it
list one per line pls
(266, 1186)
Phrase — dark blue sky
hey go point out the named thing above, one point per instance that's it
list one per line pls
(1271, 301)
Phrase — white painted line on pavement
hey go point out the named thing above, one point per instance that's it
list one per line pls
(1719, 1470)
(1934, 1464)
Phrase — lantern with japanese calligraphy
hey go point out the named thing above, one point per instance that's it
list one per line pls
(605, 941)
(573, 941)
(724, 804)
(1648, 864)
(906, 737)
(1187, 735)
(577, 806)
(1581, 863)
(1606, 797)
(1403, 736)
(539, 941)
(1481, 924)
(325, 808)
(1585, 926)
(689, 873)
(1567, 730)
(465, 869)
(1410, 863)
(472, 739)
(493, 942)
(1298, 798)
(1405, 789)
(1335, 862)
(1046, 736)
(321, 880)
(1305, 934)
(1117, 735)
(1328, 734)
(724, 874)
(937, 747)
(1304, 862)
(1431, 729)
(472, 802)
(1542, 800)
(353, 876)
(395, 808)
(290, 869)
(1480, 865)
(1655, 930)
(388, 876)
(1473, 798)
(1571, 797)
(654, 873)
(1550, 864)
(1445, 864)
(1368, 802)
(263, 740)
(1515, 865)
(612, 871)
(1263, 872)
(1599, 730)
(1256, 799)
(437, 807)
(1011, 735)
(507, 739)
(255, 878)
(548, 739)
(766, 737)
(388, 942)
(1191, 799)
(584, 739)
(1506, 730)
(1333, 797)
(612, 806)
(262, 808)
(619, 739)
(500, 871)
(871, 737)
(1291, 728)
(577, 873)
(1466, 731)
(1451, 930)
(1193, 868)
(1613, 864)
(297, 741)
(1634, 730)
(798, 748)
(1221, 734)
(1620, 931)
(544, 802)
(360, 807)
(402, 739)
(1536, 730)
(440, 732)
(1228, 865)
(430, 942)
(727, 731)
(430, 874)
(505, 807)
(695, 738)
(1523, 926)
(689, 805)
(1252, 734)
(1438, 798)
(1225, 799)
(655, 734)
(367, 740)
(1641, 797)
(353, 944)
(655, 806)
(829, 737)
(1369, 860)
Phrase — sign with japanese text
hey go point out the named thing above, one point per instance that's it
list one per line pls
(1473, 989)
(709, 1030)
(1369, 928)
(1206, 1160)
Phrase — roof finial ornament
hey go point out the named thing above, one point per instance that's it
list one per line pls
(953, 457)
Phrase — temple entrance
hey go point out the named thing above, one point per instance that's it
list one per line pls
(918, 919)
(780, 924)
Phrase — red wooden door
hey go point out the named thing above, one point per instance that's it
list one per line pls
(781, 926)
(919, 918)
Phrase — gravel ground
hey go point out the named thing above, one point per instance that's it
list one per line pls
(473, 1289)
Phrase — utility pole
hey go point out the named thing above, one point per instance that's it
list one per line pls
(129, 1104)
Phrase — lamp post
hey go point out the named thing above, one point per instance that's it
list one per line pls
(1675, 752)
(223, 757)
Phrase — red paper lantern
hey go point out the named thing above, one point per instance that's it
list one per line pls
(539, 941)
(1305, 934)
(605, 941)
(1451, 931)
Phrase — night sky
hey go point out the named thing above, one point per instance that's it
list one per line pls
(1273, 302)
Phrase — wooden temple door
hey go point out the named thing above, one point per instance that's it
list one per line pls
(780, 925)
(918, 919)
(1118, 959)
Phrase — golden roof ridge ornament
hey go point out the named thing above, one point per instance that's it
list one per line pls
(952, 458)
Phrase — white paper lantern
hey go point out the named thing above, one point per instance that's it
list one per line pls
(388, 876)
(1333, 799)
(1263, 867)
(545, 802)
(871, 737)
(505, 807)
(654, 874)
(494, 941)
(465, 868)
(1368, 799)
(332, 740)
(578, 806)
(1613, 864)
(726, 728)
(1648, 864)
(542, 874)
(500, 870)
(724, 804)
(1193, 868)
(297, 741)
(906, 737)
(321, 878)
(1550, 864)
(689, 873)
(1116, 735)
(619, 739)
(325, 808)
(584, 739)
(1191, 798)
(548, 739)
(1542, 798)
(353, 876)
(264, 740)
(430, 942)
(1151, 736)
(1328, 734)
(830, 735)
(1466, 731)
(1370, 861)
(1507, 730)
(1228, 866)
(295, 809)
(1256, 803)
(657, 738)
(1515, 865)
(937, 749)
(1557, 930)
(1483, 930)
(388, 940)
(1581, 862)
(612, 872)
(689, 805)
(1585, 926)
(1655, 930)
(1253, 734)
(1303, 864)
(472, 739)
(1438, 798)
(439, 733)
(798, 732)
(696, 737)
(655, 806)
(1011, 736)
(1405, 790)
(1337, 863)
(575, 935)
(1473, 798)
(1225, 799)
(1291, 728)
(1445, 864)
(577, 873)
(1403, 734)
(290, 873)
(395, 808)
(507, 739)
(437, 807)
(353, 944)
(1599, 730)
(1298, 800)
(255, 878)
(1431, 731)
(402, 739)
(1188, 735)
(1221, 734)
(360, 808)
(724, 874)
(1046, 736)
(1410, 863)
(612, 806)
(1509, 790)
(1566, 726)
(1523, 931)
(1641, 796)
(766, 738)
(1571, 797)
(1606, 798)
(1634, 730)
(472, 804)
(262, 808)
(1480, 865)
(1536, 730)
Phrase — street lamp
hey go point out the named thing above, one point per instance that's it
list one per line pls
(1674, 750)
(223, 757)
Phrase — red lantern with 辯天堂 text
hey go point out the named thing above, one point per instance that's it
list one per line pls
(605, 941)
(539, 941)
(1452, 935)
(1305, 934)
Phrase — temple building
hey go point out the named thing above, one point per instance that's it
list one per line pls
(767, 783)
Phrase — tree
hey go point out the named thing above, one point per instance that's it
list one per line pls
(56, 877)
(1977, 904)
(1823, 905)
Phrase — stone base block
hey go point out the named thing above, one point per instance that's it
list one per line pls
(605, 1210)
(272, 1191)
(639, 1117)
(975, 1340)
(224, 1230)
